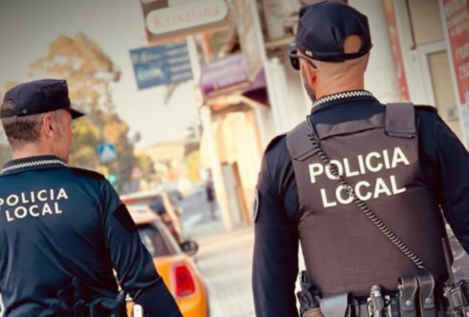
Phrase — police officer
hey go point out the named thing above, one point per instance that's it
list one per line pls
(358, 184)
(62, 229)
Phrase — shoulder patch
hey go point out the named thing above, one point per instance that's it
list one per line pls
(86, 172)
(426, 108)
(274, 142)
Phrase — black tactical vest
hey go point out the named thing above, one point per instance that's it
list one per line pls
(379, 157)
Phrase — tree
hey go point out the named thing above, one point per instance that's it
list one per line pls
(147, 166)
(90, 74)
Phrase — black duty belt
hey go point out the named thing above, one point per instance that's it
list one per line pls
(417, 296)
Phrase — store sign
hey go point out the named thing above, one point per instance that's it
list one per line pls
(161, 65)
(229, 75)
(456, 14)
(173, 20)
(185, 16)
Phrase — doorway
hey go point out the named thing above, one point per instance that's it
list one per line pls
(438, 83)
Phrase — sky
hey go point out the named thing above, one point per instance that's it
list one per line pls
(27, 27)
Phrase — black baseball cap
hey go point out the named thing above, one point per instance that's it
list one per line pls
(322, 30)
(37, 97)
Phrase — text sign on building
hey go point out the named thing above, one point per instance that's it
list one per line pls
(161, 65)
(456, 13)
(167, 20)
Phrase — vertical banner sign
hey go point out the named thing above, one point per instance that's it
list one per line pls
(456, 18)
(247, 33)
(396, 48)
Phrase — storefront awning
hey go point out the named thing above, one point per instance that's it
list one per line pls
(229, 77)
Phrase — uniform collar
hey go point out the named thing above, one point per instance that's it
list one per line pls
(340, 98)
(32, 163)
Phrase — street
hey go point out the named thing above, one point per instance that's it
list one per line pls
(224, 259)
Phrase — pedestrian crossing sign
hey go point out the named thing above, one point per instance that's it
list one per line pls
(107, 152)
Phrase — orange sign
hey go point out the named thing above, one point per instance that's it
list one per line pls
(456, 14)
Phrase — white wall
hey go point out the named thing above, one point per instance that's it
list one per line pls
(381, 76)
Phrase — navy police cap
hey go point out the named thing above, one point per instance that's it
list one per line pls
(37, 97)
(322, 30)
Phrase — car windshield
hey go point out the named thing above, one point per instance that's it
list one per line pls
(154, 241)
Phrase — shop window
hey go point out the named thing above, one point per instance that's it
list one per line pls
(443, 90)
(426, 21)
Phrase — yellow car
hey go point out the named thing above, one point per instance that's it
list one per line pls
(175, 266)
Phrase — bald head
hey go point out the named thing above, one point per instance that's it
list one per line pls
(333, 77)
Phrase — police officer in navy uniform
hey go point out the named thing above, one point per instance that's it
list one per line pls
(63, 230)
(353, 154)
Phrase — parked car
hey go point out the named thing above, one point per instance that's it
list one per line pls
(173, 262)
(160, 203)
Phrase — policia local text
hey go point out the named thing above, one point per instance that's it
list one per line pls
(372, 162)
(34, 204)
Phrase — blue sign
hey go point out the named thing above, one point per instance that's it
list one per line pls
(107, 152)
(161, 65)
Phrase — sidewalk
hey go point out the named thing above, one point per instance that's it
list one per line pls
(225, 261)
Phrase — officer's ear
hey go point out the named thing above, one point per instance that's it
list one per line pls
(309, 72)
(48, 124)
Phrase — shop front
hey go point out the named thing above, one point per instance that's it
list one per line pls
(233, 102)
(431, 47)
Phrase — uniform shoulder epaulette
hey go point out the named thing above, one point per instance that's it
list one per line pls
(426, 108)
(87, 172)
(274, 142)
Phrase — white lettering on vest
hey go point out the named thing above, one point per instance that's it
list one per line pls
(324, 200)
(348, 171)
(12, 200)
(21, 212)
(315, 170)
(24, 200)
(46, 210)
(57, 208)
(21, 205)
(40, 195)
(338, 166)
(386, 159)
(31, 210)
(372, 162)
(339, 191)
(9, 218)
(381, 188)
(361, 164)
(359, 193)
(62, 194)
(399, 157)
(378, 167)
(395, 190)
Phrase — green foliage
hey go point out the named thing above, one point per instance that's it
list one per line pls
(90, 74)
(146, 165)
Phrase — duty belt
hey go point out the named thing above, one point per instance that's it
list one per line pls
(417, 296)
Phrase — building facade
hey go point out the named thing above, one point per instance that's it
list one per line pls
(420, 54)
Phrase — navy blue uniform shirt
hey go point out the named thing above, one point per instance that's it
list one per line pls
(58, 223)
(445, 164)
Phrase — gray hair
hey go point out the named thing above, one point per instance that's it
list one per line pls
(23, 130)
